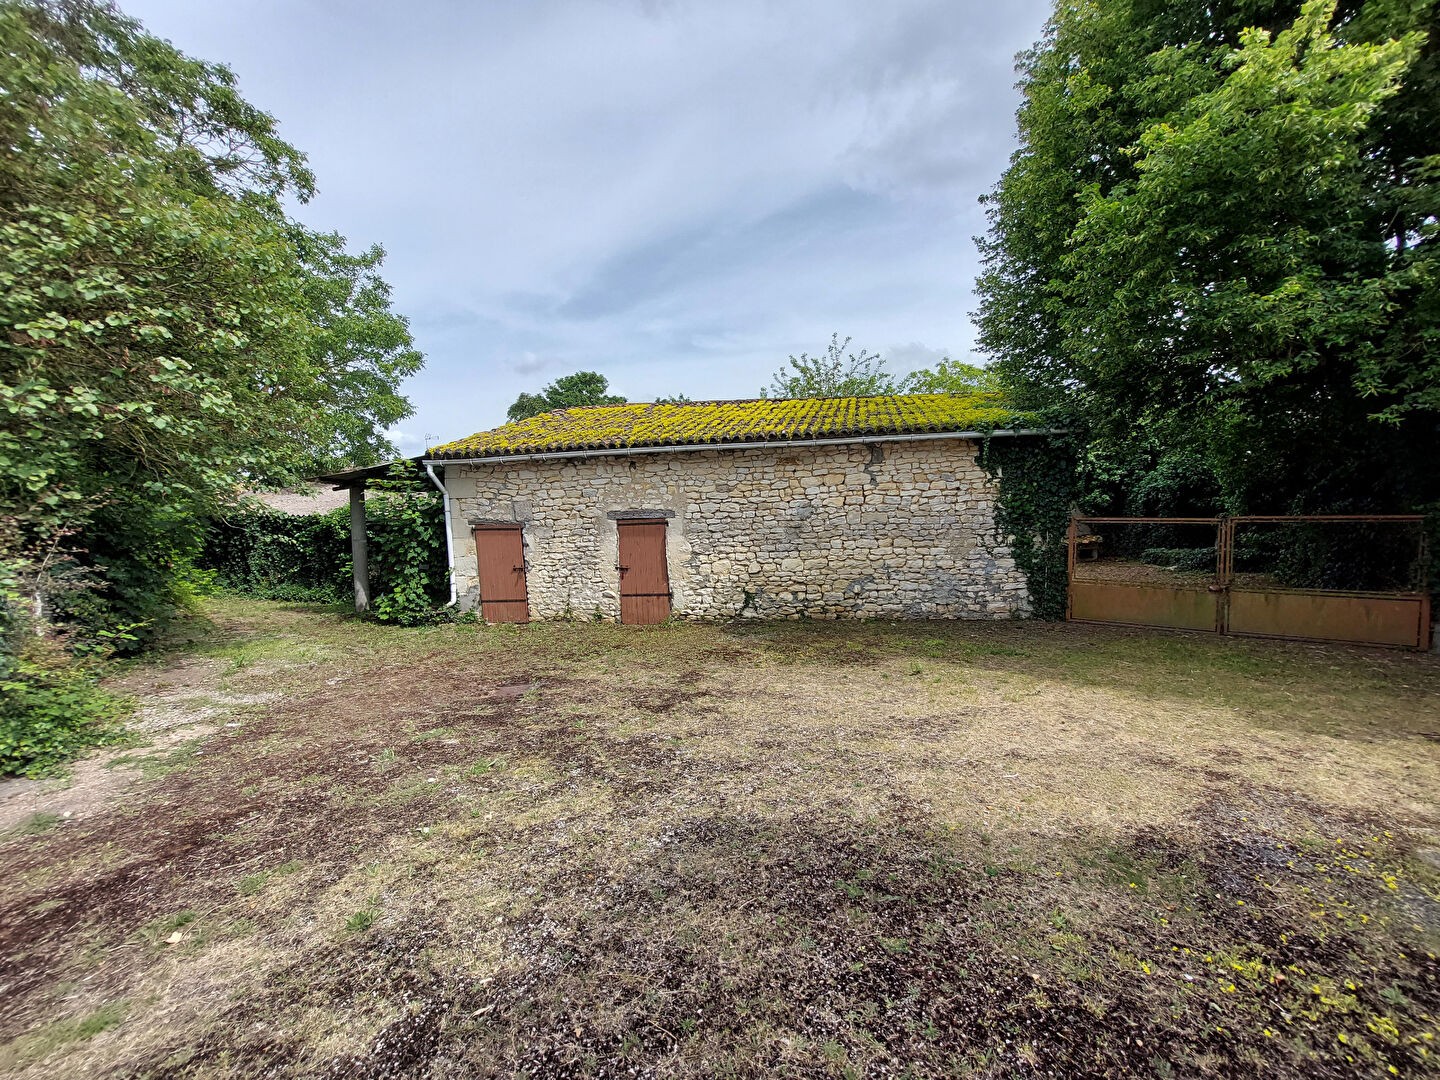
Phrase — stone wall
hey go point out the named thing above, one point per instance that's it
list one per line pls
(898, 530)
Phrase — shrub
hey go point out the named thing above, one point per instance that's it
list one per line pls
(263, 553)
(50, 709)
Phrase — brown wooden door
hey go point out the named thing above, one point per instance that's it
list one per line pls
(644, 579)
(500, 560)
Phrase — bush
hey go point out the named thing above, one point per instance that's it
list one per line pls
(133, 576)
(49, 712)
(273, 556)
(50, 703)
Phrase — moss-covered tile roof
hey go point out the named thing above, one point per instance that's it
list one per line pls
(698, 423)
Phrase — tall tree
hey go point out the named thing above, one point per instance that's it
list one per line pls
(362, 349)
(950, 377)
(566, 392)
(836, 374)
(864, 374)
(1219, 235)
(169, 333)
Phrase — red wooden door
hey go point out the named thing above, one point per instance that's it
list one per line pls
(644, 578)
(500, 560)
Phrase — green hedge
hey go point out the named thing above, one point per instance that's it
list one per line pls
(263, 553)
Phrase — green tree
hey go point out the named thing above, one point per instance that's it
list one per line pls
(360, 347)
(950, 377)
(836, 374)
(863, 374)
(1219, 237)
(566, 392)
(170, 334)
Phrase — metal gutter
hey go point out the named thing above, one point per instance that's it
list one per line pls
(625, 451)
(449, 536)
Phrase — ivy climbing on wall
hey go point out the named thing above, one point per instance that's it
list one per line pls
(1037, 488)
(408, 549)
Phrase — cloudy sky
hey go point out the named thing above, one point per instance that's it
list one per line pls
(675, 193)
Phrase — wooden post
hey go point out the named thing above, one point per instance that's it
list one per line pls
(358, 553)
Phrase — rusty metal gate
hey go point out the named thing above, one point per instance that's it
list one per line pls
(1327, 577)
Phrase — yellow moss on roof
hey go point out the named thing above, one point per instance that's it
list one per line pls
(699, 423)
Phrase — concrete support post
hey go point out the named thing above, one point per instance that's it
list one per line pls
(358, 553)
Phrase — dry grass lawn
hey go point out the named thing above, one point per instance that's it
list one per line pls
(806, 849)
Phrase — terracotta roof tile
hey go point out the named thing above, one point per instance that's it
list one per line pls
(700, 423)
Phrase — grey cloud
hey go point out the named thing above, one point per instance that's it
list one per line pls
(530, 364)
(676, 193)
(903, 359)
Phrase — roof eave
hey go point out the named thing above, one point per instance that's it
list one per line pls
(360, 475)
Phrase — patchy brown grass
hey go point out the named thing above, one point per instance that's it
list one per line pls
(799, 849)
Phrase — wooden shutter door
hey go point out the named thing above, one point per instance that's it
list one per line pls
(500, 561)
(644, 578)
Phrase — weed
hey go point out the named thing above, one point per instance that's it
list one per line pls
(257, 651)
(362, 920)
(251, 884)
(161, 931)
(1395, 997)
(158, 765)
(42, 1042)
(38, 824)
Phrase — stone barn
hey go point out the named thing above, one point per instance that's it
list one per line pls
(822, 508)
